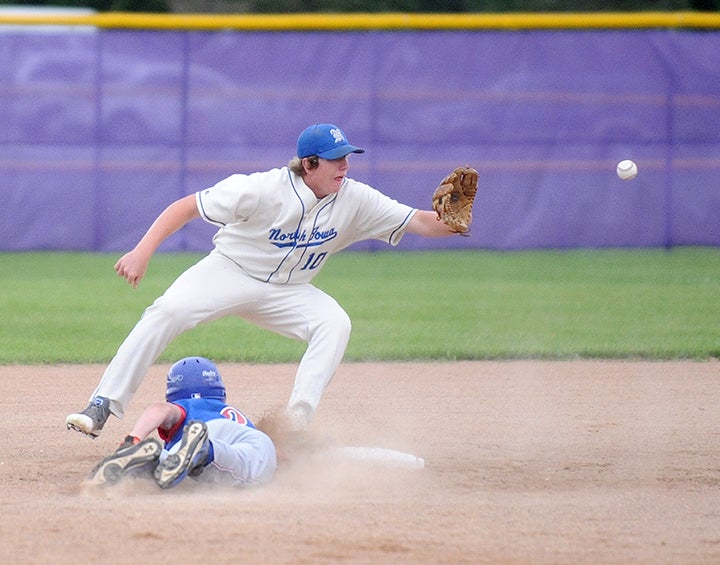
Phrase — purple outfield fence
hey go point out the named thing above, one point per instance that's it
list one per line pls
(101, 129)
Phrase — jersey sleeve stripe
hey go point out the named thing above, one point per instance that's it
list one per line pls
(397, 234)
(201, 209)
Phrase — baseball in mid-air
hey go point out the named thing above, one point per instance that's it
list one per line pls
(626, 169)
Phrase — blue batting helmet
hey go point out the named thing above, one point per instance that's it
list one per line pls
(194, 377)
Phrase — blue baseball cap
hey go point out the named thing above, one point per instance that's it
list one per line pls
(324, 140)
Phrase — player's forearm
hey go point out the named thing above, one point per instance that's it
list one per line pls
(157, 415)
(425, 223)
(167, 223)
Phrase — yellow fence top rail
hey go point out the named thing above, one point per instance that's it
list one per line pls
(385, 21)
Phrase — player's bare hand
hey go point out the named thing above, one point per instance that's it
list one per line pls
(132, 267)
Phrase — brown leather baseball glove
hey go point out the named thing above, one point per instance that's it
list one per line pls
(453, 199)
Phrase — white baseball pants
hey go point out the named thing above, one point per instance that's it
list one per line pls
(216, 287)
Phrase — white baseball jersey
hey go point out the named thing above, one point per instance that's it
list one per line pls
(276, 230)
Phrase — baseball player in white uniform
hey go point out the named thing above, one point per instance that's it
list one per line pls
(205, 438)
(276, 231)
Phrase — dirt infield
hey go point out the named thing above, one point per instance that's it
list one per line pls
(527, 462)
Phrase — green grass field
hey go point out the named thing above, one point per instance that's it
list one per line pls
(656, 304)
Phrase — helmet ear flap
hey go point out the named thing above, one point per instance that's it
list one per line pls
(194, 377)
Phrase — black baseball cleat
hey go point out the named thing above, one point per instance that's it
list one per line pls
(127, 458)
(91, 420)
(190, 458)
